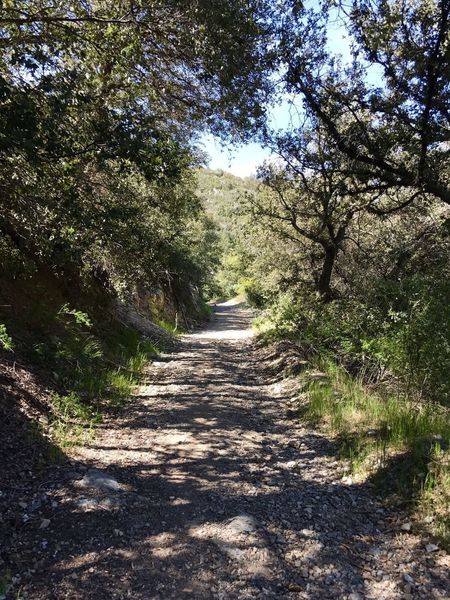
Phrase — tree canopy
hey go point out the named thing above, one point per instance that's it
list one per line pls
(386, 104)
(101, 104)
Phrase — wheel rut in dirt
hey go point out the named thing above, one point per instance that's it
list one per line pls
(204, 489)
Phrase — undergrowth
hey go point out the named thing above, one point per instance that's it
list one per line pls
(173, 329)
(5, 339)
(94, 369)
(400, 445)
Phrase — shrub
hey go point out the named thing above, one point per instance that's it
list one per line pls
(5, 340)
(252, 291)
(403, 327)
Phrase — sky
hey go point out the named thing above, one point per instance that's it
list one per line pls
(243, 160)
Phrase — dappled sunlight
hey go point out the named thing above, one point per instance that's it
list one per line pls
(204, 489)
(227, 324)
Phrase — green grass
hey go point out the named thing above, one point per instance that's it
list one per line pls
(72, 422)
(97, 374)
(5, 339)
(400, 445)
(94, 369)
(171, 328)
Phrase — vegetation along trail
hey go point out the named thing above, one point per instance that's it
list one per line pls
(205, 488)
(156, 157)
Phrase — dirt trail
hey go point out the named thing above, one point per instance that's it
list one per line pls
(204, 489)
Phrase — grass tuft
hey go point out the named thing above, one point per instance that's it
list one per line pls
(402, 446)
(94, 370)
(169, 327)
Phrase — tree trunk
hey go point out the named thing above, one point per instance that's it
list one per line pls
(324, 283)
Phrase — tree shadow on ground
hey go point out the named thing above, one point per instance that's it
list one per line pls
(28, 458)
(199, 447)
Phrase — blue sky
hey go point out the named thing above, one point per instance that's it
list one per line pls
(239, 160)
(243, 160)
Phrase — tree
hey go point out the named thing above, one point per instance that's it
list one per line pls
(178, 61)
(386, 108)
(100, 107)
(312, 199)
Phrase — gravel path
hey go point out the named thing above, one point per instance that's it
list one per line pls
(204, 489)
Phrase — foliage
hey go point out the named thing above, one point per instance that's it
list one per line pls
(414, 338)
(383, 102)
(101, 106)
(407, 333)
(5, 339)
(253, 292)
(310, 201)
(222, 196)
(90, 367)
(70, 406)
(96, 368)
(169, 327)
(404, 446)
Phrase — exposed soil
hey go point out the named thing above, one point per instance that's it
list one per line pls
(206, 488)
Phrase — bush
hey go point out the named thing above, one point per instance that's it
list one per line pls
(252, 291)
(285, 319)
(93, 366)
(403, 327)
(5, 339)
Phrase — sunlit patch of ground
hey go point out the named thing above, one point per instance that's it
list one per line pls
(228, 323)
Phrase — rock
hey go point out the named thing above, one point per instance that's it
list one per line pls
(280, 539)
(304, 572)
(406, 527)
(44, 524)
(408, 579)
(87, 503)
(241, 524)
(355, 596)
(431, 548)
(100, 481)
(232, 552)
(111, 502)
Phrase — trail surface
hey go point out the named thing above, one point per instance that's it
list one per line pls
(204, 489)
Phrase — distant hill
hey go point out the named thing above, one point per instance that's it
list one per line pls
(221, 194)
